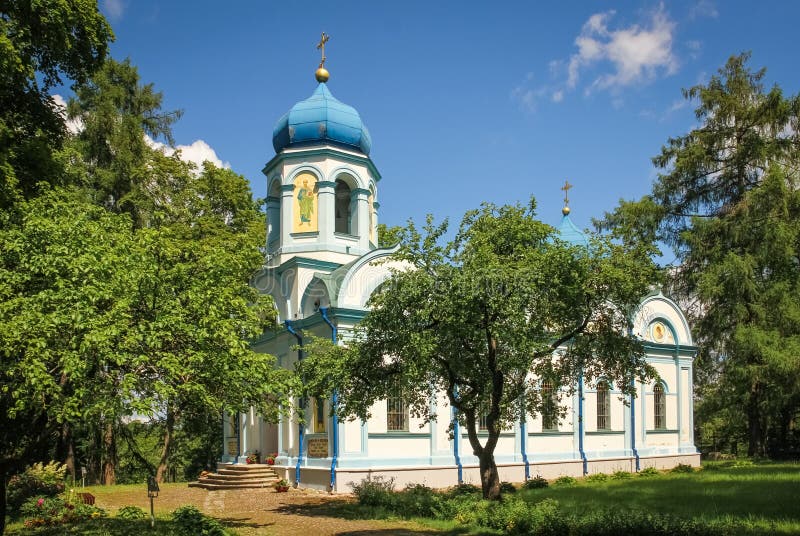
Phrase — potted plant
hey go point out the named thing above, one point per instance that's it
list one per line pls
(282, 485)
(255, 457)
(271, 458)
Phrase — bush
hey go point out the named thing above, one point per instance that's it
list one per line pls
(682, 468)
(191, 522)
(536, 483)
(565, 481)
(49, 511)
(131, 513)
(615, 522)
(597, 477)
(416, 500)
(516, 516)
(464, 489)
(38, 480)
(375, 491)
(507, 487)
(621, 475)
(649, 471)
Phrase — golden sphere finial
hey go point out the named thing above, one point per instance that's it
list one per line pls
(322, 75)
(565, 211)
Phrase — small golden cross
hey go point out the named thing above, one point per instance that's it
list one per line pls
(321, 47)
(566, 188)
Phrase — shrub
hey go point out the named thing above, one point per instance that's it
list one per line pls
(375, 491)
(615, 522)
(416, 500)
(460, 508)
(191, 522)
(39, 511)
(597, 477)
(38, 480)
(131, 513)
(621, 475)
(464, 489)
(649, 471)
(516, 516)
(682, 468)
(536, 483)
(565, 481)
(507, 487)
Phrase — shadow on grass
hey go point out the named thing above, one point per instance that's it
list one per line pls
(100, 527)
(242, 522)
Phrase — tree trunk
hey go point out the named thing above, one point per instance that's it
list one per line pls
(2, 499)
(110, 463)
(755, 435)
(166, 448)
(69, 450)
(490, 478)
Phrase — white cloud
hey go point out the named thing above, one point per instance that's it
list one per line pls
(637, 53)
(114, 8)
(558, 96)
(704, 8)
(73, 125)
(197, 153)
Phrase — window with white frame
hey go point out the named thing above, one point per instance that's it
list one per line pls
(659, 407)
(549, 406)
(603, 406)
(396, 412)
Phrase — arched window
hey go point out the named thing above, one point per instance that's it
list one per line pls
(274, 211)
(343, 212)
(396, 412)
(603, 406)
(549, 406)
(659, 407)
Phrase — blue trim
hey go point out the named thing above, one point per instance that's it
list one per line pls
(334, 402)
(523, 433)
(300, 427)
(456, 441)
(633, 427)
(580, 423)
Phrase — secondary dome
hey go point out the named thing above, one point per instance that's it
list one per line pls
(321, 118)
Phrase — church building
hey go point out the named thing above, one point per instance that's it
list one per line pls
(322, 264)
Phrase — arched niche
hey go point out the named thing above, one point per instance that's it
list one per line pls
(345, 215)
(274, 211)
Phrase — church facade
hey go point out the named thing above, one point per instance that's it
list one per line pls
(322, 265)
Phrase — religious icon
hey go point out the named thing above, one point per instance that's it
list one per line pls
(305, 197)
(659, 331)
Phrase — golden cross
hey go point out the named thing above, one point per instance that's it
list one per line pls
(321, 47)
(566, 188)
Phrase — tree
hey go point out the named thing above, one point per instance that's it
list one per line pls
(41, 44)
(64, 275)
(117, 113)
(483, 318)
(715, 203)
(195, 307)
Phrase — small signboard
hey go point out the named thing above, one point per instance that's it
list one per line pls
(318, 447)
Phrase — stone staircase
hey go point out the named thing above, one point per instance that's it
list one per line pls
(234, 476)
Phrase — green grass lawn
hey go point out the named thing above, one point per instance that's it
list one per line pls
(758, 499)
(766, 496)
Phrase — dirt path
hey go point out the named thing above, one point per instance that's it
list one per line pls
(262, 511)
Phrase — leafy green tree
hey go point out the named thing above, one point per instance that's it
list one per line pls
(389, 236)
(65, 272)
(117, 112)
(42, 44)
(723, 202)
(483, 318)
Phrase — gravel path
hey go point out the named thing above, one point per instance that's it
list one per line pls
(263, 511)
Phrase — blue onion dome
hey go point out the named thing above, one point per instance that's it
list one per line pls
(321, 118)
(569, 232)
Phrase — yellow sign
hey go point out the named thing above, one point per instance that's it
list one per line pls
(318, 447)
(305, 204)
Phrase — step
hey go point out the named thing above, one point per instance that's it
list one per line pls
(218, 480)
(215, 487)
(233, 472)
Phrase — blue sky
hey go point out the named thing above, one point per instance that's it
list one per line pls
(466, 101)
